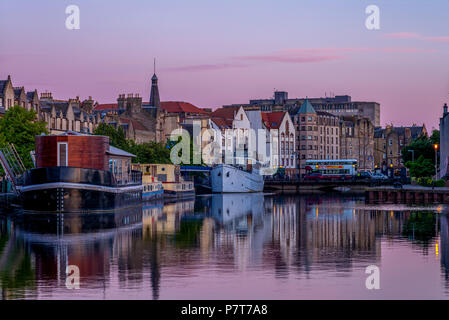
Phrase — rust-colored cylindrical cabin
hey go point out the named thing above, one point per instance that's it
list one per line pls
(80, 151)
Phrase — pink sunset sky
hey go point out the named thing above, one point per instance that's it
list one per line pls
(213, 53)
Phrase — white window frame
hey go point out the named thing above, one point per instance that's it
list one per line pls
(66, 154)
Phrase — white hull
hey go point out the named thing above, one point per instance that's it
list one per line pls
(229, 179)
(228, 208)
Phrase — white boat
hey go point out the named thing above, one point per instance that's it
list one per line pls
(228, 208)
(228, 179)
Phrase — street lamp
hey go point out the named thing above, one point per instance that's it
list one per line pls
(435, 146)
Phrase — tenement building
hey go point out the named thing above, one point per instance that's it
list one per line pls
(357, 141)
(11, 96)
(389, 142)
(337, 105)
(444, 144)
(317, 135)
(67, 115)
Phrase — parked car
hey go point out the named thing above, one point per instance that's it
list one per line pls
(379, 176)
(314, 176)
(364, 175)
(397, 185)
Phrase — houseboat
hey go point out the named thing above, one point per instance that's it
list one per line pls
(152, 188)
(76, 172)
(175, 186)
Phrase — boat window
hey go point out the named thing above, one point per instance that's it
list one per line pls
(62, 154)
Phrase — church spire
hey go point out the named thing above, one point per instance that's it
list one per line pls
(154, 95)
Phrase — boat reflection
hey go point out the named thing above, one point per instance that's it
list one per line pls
(155, 250)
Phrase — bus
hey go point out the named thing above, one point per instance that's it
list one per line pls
(331, 169)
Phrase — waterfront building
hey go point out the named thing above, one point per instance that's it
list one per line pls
(357, 141)
(282, 122)
(317, 135)
(6, 95)
(338, 105)
(67, 115)
(444, 143)
(243, 120)
(389, 141)
(10, 96)
(20, 98)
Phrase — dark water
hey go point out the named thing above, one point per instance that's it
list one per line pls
(230, 247)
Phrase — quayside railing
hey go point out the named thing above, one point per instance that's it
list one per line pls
(12, 165)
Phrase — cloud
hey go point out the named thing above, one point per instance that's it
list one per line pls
(290, 58)
(413, 35)
(296, 56)
(313, 55)
(438, 39)
(206, 67)
(402, 35)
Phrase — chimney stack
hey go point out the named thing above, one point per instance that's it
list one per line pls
(445, 109)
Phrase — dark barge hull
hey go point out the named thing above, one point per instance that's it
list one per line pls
(66, 189)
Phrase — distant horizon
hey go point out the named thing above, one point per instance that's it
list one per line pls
(215, 54)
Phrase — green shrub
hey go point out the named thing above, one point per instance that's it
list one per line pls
(440, 183)
(425, 181)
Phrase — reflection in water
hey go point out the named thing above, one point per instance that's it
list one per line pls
(211, 247)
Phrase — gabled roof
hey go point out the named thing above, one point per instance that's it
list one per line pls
(223, 117)
(306, 107)
(181, 107)
(222, 123)
(136, 124)
(30, 95)
(18, 92)
(272, 120)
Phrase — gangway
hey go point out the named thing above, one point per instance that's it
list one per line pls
(12, 165)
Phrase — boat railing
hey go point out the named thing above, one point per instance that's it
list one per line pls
(134, 178)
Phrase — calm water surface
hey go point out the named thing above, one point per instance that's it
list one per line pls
(230, 247)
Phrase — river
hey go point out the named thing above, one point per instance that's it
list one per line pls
(242, 246)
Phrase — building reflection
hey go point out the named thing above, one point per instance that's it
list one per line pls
(139, 247)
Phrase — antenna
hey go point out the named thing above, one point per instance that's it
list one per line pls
(154, 66)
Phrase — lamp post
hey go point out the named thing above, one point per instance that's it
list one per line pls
(435, 146)
(413, 155)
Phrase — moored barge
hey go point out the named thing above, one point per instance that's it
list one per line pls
(76, 172)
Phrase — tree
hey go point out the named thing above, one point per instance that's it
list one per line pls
(117, 137)
(421, 146)
(147, 152)
(422, 167)
(435, 137)
(19, 127)
(423, 149)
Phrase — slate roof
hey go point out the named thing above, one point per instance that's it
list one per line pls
(119, 152)
(136, 124)
(17, 92)
(306, 107)
(3, 85)
(30, 95)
